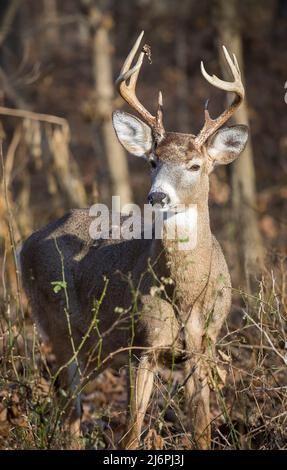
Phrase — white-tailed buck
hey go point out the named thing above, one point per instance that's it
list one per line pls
(110, 299)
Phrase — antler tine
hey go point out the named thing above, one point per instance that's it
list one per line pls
(132, 73)
(236, 63)
(128, 90)
(159, 114)
(236, 86)
(135, 74)
(128, 62)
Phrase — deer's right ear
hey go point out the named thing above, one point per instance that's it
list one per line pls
(132, 133)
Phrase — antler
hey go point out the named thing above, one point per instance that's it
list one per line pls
(128, 90)
(211, 125)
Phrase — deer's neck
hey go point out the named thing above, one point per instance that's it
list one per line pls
(188, 255)
(188, 234)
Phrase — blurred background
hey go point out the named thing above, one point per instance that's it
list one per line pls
(61, 59)
(58, 64)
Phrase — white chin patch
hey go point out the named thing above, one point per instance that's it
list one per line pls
(181, 226)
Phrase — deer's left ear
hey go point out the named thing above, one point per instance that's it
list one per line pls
(227, 144)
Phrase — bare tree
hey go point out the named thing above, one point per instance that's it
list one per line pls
(8, 14)
(52, 35)
(243, 173)
(101, 23)
(181, 56)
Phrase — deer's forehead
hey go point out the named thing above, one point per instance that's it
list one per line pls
(177, 147)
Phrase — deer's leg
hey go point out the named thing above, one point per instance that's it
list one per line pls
(140, 392)
(197, 387)
(217, 373)
(157, 329)
(197, 394)
(76, 407)
(202, 330)
(72, 410)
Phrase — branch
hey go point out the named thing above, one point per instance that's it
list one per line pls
(25, 114)
(8, 19)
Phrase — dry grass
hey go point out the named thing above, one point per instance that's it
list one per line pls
(248, 412)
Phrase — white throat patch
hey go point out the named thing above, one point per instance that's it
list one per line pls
(182, 227)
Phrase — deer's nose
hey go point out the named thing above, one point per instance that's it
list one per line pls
(158, 198)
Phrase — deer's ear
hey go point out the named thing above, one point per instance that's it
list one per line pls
(227, 144)
(132, 133)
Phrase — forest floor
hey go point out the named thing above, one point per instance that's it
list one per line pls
(248, 412)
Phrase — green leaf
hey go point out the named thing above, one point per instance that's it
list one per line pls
(58, 286)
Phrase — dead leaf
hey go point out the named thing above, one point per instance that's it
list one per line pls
(3, 413)
(269, 226)
(153, 441)
(224, 356)
(4, 429)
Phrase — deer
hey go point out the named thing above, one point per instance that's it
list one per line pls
(180, 322)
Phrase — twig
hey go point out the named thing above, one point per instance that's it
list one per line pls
(266, 336)
(13, 247)
(11, 154)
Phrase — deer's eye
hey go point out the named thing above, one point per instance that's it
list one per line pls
(152, 163)
(194, 167)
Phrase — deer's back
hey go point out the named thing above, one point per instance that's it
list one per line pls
(65, 272)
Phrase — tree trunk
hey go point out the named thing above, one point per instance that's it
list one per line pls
(52, 34)
(182, 88)
(243, 173)
(7, 17)
(103, 77)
